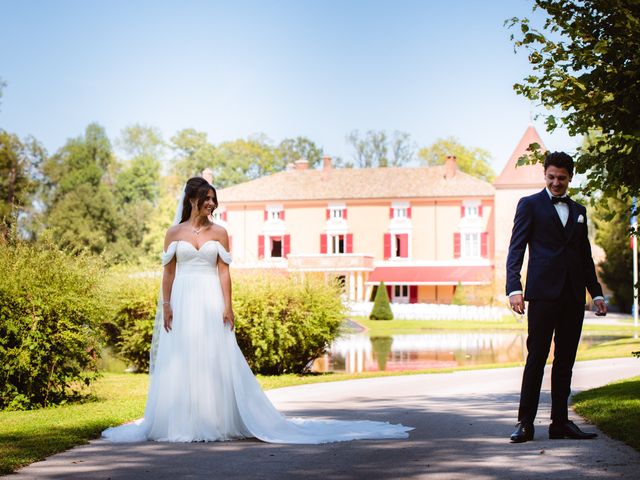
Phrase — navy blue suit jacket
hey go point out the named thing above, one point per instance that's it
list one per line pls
(556, 253)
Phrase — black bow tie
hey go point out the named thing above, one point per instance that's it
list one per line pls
(555, 200)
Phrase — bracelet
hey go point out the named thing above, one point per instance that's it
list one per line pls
(166, 303)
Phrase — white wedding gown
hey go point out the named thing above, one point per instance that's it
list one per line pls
(202, 388)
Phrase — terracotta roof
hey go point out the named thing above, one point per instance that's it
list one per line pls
(526, 175)
(465, 275)
(350, 183)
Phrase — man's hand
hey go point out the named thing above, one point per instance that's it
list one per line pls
(601, 307)
(517, 303)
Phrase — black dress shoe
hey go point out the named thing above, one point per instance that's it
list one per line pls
(523, 433)
(568, 429)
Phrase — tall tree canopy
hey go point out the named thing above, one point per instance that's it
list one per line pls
(20, 162)
(291, 149)
(612, 234)
(586, 65)
(376, 149)
(474, 161)
(81, 211)
(246, 159)
(192, 153)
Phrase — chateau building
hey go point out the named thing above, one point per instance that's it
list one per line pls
(423, 231)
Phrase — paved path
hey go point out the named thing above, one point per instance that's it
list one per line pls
(462, 422)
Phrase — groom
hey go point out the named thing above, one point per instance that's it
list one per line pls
(554, 227)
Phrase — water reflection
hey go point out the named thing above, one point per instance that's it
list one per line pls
(361, 353)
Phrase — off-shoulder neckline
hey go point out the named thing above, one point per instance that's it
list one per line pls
(194, 247)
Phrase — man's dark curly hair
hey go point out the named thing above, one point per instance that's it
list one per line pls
(559, 160)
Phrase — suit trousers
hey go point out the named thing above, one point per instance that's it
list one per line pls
(562, 316)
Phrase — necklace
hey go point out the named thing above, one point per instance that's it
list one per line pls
(197, 230)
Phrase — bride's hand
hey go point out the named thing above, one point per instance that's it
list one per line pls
(229, 318)
(167, 313)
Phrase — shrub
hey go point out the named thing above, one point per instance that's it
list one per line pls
(130, 327)
(381, 308)
(50, 309)
(281, 325)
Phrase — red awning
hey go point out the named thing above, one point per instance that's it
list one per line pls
(413, 275)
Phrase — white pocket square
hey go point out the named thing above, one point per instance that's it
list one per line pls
(580, 219)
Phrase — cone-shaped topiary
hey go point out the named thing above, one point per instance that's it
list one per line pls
(381, 309)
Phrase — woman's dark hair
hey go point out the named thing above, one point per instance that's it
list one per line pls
(196, 189)
(559, 160)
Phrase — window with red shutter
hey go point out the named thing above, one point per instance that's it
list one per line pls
(480, 211)
(328, 213)
(260, 247)
(266, 215)
(387, 246)
(349, 242)
(462, 210)
(281, 214)
(484, 245)
(408, 212)
(403, 240)
(456, 245)
(391, 212)
(323, 243)
(344, 213)
(413, 294)
(287, 245)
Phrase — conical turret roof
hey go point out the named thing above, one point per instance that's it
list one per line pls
(513, 176)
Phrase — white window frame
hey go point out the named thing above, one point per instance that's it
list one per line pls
(273, 213)
(472, 208)
(470, 244)
(333, 240)
(404, 293)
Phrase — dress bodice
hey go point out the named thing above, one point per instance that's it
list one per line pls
(189, 259)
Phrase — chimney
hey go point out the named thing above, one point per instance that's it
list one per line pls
(450, 167)
(207, 174)
(301, 164)
(326, 163)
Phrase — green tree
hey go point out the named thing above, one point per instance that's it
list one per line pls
(20, 163)
(246, 159)
(381, 308)
(80, 205)
(474, 161)
(192, 153)
(372, 149)
(612, 234)
(586, 65)
(291, 149)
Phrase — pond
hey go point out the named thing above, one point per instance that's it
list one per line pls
(358, 352)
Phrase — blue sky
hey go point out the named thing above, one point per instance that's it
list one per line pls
(284, 68)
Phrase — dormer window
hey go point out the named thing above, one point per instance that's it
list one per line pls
(273, 213)
(471, 209)
(400, 210)
(219, 216)
(337, 212)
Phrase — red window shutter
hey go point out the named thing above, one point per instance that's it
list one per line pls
(480, 211)
(391, 212)
(287, 245)
(266, 215)
(456, 245)
(328, 213)
(344, 213)
(413, 294)
(349, 243)
(409, 212)
(323, 243)
(261, 246)
(484, 244)
(462, 210)
(389, 290)
(404, 245)
(387, 246)
(281, 215)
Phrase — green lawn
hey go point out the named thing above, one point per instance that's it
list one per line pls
(614, 408)
(381, 328)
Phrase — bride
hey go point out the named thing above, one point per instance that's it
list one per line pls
(201, 388)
